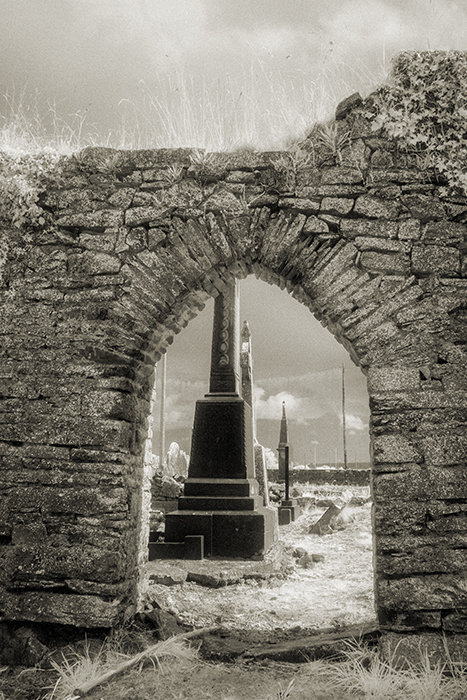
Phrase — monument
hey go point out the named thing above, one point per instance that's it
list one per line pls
(283, 441)
(246, 366)
(288, 509)
(221, 501)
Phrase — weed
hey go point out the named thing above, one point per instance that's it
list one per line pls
(425, 109)
(284, 694)
(333, 141)
(173, 174)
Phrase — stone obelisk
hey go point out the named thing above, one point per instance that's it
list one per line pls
(283, 441)
(221, 498)
(246, 366)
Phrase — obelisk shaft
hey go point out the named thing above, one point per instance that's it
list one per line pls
(225, 371)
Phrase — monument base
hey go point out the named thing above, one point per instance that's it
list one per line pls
(288, 511)
(227, 534)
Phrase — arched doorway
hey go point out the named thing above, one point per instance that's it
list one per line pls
(296, 360)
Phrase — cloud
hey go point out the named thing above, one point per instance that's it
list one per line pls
(311, 396)
(298, 409)
(181, 397)
(354, 423)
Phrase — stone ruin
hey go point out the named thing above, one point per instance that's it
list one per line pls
(128, 248)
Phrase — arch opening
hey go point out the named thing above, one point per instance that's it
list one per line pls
(307, 375)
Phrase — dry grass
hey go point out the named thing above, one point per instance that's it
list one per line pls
(260, 110)
(80, 669)
(362, 676)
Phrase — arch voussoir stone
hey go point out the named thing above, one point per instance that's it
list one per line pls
(133, 245)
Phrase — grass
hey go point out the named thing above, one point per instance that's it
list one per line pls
(78, 669)
(363, 675)
(260, 111)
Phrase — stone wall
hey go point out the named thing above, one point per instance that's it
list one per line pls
(129, 247)
(348, 477)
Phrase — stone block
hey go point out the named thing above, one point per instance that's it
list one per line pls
(409, 230)
(455, 622)
(308, 206)
(33, 564)
(435, 259)
(78, 610)
(444, 450)
(347, 105)
(376, 208)
(362, 227)
(336, 205)
(29, 535)
(92, 262)
(424, 483)
(428, 592)
(135, 216)
(393, 379)
(339, 176)
(315, 225)
(378, 245)
(385, 262)
(92, 221)
(224, 202)
(444, 233)
(395, 448)
(420, 561)
(424, 207)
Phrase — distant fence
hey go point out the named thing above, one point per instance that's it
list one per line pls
(347, 477)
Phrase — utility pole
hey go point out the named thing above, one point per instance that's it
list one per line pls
(162, 423)
(343, 418)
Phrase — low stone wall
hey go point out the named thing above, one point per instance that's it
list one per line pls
(348, 477)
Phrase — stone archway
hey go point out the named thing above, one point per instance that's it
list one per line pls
(132, 245)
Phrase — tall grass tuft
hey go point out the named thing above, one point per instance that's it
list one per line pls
(366, 676)
(81, 669)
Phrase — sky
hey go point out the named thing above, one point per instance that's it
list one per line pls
(217, 74)
(295, 359)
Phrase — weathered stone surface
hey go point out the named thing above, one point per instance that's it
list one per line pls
(378, 244)
(385, 262)
(345, 106)
(429, 592)
(29, 564)
(424, 207)
(444, 232)
(395, 448)
(435, 259)
(77, 610)
(424, 483)
(339, 176)
(93, 221)
(308, 206)
(135, 242)
(393, 379)
(409, 230)
(336, 205)
(363, 227)
(375, 208)
(141, 215)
